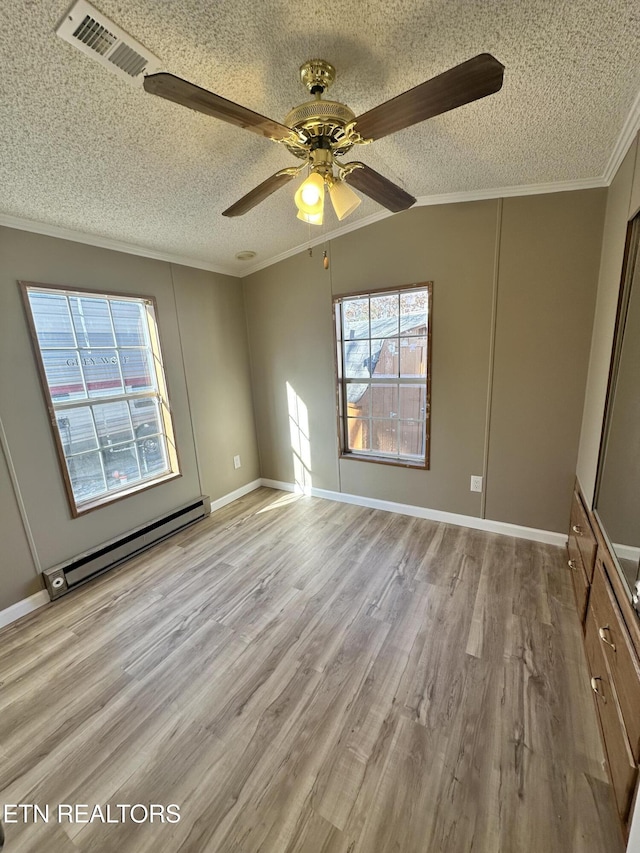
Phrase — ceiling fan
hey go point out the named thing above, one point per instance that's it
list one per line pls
(320, 132)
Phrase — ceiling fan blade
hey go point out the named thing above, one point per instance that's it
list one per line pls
(377, 187)
(189, 95)
(262, 191)
(476, 78)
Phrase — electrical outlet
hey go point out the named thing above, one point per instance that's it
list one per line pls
(476, 483)
(238, 464)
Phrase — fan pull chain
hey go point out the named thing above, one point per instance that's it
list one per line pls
(325, 257)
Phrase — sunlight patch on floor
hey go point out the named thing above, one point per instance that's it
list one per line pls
(286, 499)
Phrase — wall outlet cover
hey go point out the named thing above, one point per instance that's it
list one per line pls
(476, 483)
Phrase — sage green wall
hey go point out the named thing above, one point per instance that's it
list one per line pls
(549, 257)
(619, 208)
(288, 308)
(485, 259)
(213, 333)
(453, 246)
(56, 535)
(18, 576)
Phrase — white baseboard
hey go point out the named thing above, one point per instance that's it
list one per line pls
(627, 552)
(283, 487)
(549, 537)
(21, 608)
(27, 605)
(238, 493)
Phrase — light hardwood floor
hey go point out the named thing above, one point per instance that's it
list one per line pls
(302, 675)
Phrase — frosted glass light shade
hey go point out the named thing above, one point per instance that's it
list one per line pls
(343, 199)
(309, 197)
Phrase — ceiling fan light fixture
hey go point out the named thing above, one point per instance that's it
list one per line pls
(343, 199)
(309, 197)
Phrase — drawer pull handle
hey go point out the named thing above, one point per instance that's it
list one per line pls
(577, 529)
(572, 565)
(596, 689)
(603, 637)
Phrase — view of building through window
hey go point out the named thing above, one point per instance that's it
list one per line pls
(383, 372)
(102, 369)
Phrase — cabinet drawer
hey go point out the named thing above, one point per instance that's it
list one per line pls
(615, 643)
(578, 577)
(622, 767)
(580, 530)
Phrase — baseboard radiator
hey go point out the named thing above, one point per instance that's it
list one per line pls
(66, 576)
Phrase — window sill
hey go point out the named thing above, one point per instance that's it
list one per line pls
(382, 460)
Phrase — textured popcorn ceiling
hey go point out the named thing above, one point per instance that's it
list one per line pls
(84, 150)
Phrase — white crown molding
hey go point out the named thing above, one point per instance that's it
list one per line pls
(626, 137)
(22, 608)
(429, 200)
(503, 528)
(510, 192)
(324, 237)
(49, 230)
(623, 143)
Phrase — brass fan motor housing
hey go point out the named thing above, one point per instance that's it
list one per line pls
(321, 120)
(317, 75)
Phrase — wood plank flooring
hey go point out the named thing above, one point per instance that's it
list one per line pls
(303, 676)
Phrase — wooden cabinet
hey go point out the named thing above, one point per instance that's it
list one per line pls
(583, 535)
(619, 653)
(612, 642)
(581, 546)
(622, 763)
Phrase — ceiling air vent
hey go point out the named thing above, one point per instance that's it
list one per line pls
(94, 34)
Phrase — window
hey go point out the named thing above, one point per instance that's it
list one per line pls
(101, 369)
(384, 374)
